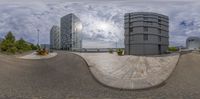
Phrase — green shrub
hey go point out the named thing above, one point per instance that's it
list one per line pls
(120, 52)
(172, 49)
(22, 45)
(111, 50)
(20, 51)
(12, 50)
(33, 47)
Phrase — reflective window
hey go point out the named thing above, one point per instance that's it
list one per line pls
(145, 37)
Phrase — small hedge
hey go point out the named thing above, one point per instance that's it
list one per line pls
(111, 50)
(120, 52)
(172, 49)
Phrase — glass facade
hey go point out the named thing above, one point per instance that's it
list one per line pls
(55, 37)
(71, 28)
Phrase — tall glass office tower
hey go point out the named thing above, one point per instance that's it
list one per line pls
(55, 37)
(71, 28)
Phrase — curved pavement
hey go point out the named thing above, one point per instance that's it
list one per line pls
(66, 76)
(129, 71)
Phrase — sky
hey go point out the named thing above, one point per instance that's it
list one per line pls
(103, 24)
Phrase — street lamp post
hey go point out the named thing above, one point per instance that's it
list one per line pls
(38, 36)
(116, 44)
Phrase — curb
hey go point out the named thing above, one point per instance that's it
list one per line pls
(93, 76)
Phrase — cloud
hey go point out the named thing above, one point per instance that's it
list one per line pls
(25, 18)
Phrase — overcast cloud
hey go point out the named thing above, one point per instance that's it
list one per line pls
(24, 18)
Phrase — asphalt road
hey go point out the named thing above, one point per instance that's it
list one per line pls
(66, 76)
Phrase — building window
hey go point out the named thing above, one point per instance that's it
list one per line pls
(131, 30)
(191, 40)
(131, 23)
(159, 20)
(159, 39)
(159, 24)
(147, 23)
(145, 37)
(132, 38)
(150, 23)
(70, 36)
(159, 31)
(145, 29)
(145, 18)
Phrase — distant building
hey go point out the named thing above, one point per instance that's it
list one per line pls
(146, 33)
(193, 43)
(55, 37)
(71, 32)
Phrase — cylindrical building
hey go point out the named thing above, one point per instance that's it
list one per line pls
(193, 43)
(146, 33)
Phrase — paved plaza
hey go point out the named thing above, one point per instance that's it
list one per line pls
(67, 76)
(130, 72)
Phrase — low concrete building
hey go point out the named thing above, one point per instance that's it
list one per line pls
(146, 33)
(193, 43)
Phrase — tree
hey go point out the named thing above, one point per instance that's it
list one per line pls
(10, 37)
(22, 45)
(33, 47)
(8, 44)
